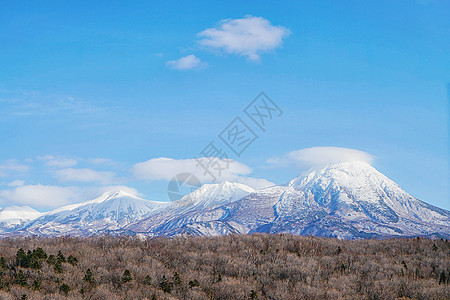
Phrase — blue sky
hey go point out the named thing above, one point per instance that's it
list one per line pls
(90, 90)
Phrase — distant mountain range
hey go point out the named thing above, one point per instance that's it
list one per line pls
(344, 200)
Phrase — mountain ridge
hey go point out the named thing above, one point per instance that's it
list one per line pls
(111, 211)
(344, 200)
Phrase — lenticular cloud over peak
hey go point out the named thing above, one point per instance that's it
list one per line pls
(317, 157)
(321, 156)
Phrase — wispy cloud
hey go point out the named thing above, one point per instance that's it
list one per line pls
(58, 162)
(101, 161)
(320, 156)
(17, 182)
(12, 165)
(249, 36)
(85, 175)
(35, 103)
(188, 62)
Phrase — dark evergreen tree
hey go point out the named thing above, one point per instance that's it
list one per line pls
(253, 295)
(147, 280)
(36, 284)
(21, 279)
(34, 262)
(89, 277)
(22, 258)
(51, 260)
(60, 257)
(64, 288)
(58, 267)
(165, 285)
(443, 278)
(435, 247)
(177, 279)
(3, 263)
(72, 260)
(404, 265)
(126, 277)
(194, 283)
(39, 253)
(219, 279)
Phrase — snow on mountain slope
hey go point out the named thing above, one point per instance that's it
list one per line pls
(344, 200)
(194, 208)
(109, 212)
(12, 216)
(353, 199)
(212, 195)
(255, 211)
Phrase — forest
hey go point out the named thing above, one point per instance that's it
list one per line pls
(257, 266)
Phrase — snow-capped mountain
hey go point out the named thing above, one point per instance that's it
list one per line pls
(353, 199)
(14, 216)
(344, 200)
(109, 212)
(212, 195)
(193, 209)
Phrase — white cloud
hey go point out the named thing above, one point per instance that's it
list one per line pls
(188, 62)
(12, 165)
(101, 161)
(16, 183)
(38, 195)
(84, 175)
(320, 156)
(46, 196)
(256, 183)
(34, 103)
(58, 162)
(249, 37)
(167, 168)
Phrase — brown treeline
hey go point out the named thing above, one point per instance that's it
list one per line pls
(258, 266)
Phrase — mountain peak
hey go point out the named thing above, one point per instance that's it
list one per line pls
(111, 211)
(215, 194)
(349, 174)
(235, 185)
(116, 194)
(110, 195)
